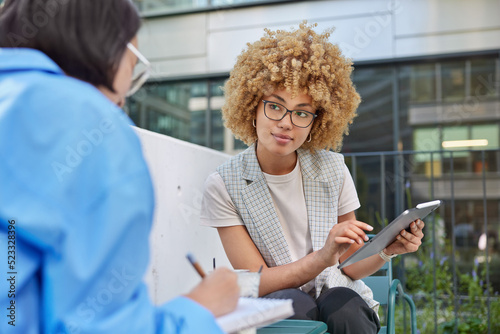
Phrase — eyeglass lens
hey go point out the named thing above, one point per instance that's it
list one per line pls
(276, 112)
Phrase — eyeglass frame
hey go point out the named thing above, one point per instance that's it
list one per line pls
(289, 111)
(141, 77)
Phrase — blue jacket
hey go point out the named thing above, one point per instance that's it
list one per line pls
(76, 207)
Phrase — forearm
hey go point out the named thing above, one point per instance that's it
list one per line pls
(364, 268)
(292, 275)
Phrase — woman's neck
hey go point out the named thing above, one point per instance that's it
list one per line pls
(276, 165)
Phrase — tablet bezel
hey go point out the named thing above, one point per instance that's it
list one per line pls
(388, 234)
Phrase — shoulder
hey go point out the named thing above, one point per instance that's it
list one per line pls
(69, 98)
(330, 156)
(322, 158)
(67, 125)
(236, 162)
(214, 183)
(45, 97)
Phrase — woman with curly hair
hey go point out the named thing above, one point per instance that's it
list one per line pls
(287, 203)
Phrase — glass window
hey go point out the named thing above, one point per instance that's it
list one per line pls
(149, 7)
(422, 83)
(488, 132)
(482, 79)
(489, 163)
(217, 126)
(427, 139)
(184, 110)
(454, 133)
(460, 156)
(173, 109)
(452, 136)
(372, 129)
(453, 81)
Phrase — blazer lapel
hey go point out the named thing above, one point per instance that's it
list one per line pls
(321, 209)
(317, 191)
(264, 222)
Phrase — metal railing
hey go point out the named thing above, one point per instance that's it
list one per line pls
(467, 181)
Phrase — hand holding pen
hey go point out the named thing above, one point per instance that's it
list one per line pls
(196, 265)
(218, 292)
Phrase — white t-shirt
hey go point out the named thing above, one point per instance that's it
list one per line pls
(287, 192)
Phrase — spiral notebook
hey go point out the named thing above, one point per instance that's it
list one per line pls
(255, 312)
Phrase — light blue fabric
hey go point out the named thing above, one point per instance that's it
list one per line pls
(76, 188)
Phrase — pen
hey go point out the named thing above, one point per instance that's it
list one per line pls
(195, 264)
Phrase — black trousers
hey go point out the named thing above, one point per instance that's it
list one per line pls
(342, 309)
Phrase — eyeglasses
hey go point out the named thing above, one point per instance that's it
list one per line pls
(141, 70)
(276, 112)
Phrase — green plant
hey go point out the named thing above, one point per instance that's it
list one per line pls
(437, 304)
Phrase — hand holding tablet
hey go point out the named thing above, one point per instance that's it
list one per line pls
(389, 233)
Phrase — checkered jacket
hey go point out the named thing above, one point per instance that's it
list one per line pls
(323, 177)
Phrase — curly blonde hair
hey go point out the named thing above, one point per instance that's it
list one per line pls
(302, 62)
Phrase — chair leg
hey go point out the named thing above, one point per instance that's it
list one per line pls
(396, 288)
(391, 305)
(413, 313)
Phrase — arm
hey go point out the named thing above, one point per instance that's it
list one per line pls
(243, 254)
(83, 234)
(406, 243)
(361, 268)
(218, 292)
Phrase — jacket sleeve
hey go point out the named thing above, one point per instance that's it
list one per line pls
(74, 180)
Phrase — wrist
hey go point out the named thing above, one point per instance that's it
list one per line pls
(386, 257)
(324, 261)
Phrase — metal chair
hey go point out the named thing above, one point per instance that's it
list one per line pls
(385, 289)
(292, 326)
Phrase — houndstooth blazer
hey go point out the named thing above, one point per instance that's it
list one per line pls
(323, 177)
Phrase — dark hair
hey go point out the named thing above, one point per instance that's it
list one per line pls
(86, 38)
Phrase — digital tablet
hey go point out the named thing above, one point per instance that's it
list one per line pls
(388, 234)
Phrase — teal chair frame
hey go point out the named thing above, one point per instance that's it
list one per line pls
(293, 326)
(385, 289)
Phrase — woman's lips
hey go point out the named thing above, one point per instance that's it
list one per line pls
(282, 139)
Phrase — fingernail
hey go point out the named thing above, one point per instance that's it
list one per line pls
(403, 233)
(366, 237)
(369, 228)
(398, 237)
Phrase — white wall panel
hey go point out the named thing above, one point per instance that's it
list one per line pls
(361, 38)
(178, 178)
(366, 37)
(173, 37)
(179, 67)
(209, 42)
(286, 14)
(448, 43)
(440, 16)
